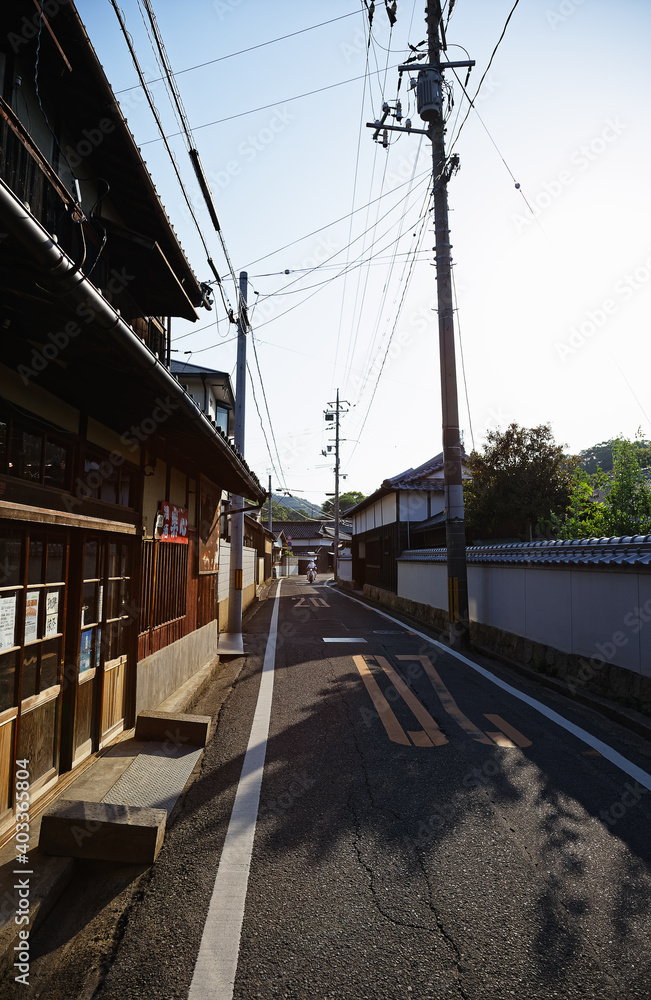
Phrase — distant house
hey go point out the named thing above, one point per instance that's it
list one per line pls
(407, 511)
(312, 540)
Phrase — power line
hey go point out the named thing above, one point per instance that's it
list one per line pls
(274, 104)
(490, 62)
(335, 222)
(266, 403)
(252, 48)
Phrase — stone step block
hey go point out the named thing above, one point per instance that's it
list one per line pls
(102, 831)
(173, 728)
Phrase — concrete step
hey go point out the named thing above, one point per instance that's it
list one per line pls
(173, 728)
(102, 831)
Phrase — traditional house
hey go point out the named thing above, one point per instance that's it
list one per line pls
(305, 540)
(406, 512)
(211, 390)
(110, 475)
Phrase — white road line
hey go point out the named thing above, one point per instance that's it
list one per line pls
(625, 765)
(214, 973)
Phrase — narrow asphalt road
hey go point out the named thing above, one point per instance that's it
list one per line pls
(422, 831)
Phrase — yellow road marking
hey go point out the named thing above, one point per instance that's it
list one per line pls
(502, 740)
(448, 702)
(395, 732)
(513, 734)
(420, 738)
(421, 713)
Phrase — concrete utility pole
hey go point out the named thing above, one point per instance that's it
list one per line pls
(429, 91)
(337, 409)
(230, 642)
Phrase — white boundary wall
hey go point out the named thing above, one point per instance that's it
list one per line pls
(601, 611)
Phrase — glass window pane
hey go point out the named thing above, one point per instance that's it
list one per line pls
(30, 671)
(50, 664)
(125, 488)
(91, 560)
(113, 609)
(89, 604)
(109, 487)
(10, 552)
(8, 663)
(26, 456)
(92, 477)
(113, 564)
(35, 565)
(55, 552)
(56, 465)
(4, 430)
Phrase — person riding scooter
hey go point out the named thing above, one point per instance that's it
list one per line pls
(311, 571)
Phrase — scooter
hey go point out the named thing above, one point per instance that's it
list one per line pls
(311, 575)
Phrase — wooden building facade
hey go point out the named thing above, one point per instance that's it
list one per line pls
(110, 476)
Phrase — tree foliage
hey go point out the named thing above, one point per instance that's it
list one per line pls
(346, 500)
(520, 479)
(607, 504)
(600, 456)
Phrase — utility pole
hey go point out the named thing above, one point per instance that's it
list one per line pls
(429, 91)
(269, 515)
(230, 642)
(338, 406)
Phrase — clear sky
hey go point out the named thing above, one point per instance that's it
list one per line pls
(554, 307)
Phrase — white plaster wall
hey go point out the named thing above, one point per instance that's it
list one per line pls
(598, 613)
(601, 604)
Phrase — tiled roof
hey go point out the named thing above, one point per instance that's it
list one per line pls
(298, 529)
(626, 550)
(421, 478)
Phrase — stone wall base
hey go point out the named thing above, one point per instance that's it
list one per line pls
(579, 673)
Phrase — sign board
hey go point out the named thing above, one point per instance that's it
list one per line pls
(175, 523)
(209, 514)
(7, 621)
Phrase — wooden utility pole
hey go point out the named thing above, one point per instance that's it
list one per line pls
(429, 91)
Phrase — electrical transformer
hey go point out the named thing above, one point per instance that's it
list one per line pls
(428, 95)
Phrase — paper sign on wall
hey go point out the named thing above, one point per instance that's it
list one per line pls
(7, 621)
(31, 615)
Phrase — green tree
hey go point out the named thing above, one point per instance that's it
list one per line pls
(600, 456)
(520, 480)
(614, 503)
(346, 500)
(278, 512)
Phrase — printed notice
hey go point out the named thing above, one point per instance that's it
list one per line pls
(51, 613)
(31, 615)
(7, 621)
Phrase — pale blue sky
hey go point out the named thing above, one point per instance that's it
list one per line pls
(554, 311)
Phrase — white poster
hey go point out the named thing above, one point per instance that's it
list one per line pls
(51, 613)
(31, 615)
(7, 621)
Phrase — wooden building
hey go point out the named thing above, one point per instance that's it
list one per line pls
(406, 512)
(110, 475)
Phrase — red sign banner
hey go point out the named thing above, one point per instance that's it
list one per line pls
(175, 524)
